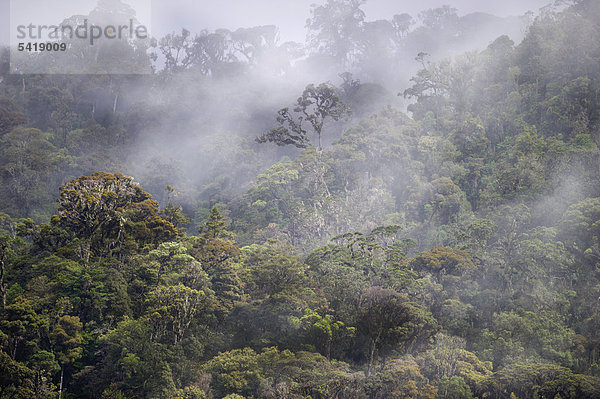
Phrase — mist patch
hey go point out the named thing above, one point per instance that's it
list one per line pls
(111, 37)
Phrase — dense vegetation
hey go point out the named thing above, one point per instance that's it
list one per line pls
(452, 251)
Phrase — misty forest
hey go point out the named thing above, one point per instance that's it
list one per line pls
(397, 208)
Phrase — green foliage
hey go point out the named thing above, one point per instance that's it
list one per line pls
(108, 213)
(27, 160)
(540, 380)
(400, 378)
(17, 379)
(454, 388)
(21, 327)
(273, 273)
(215, 226)
(580, 228)
(388, 320)
(174, 214)
(248, 373)
(441, 261)
(10, 116)
(324, 330)
(66, 339)
(173, 309)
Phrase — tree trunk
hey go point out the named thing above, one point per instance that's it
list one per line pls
(371, 357)
(320, 146)
(383, 362)
(14, 350)
(2, 284)
(115, 103)
(64, 132)
(38, 383)
(84, 251)
(62, 372)
(3, 289)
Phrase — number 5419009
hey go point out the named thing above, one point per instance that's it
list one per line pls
(42, 47)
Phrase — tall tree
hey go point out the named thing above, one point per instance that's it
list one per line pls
(313, 108)
(66, 340)
(215, 226)
(4, 246)
(10, 116)
(335, 29)
(104, 209)
(387, 318)
(174, 309)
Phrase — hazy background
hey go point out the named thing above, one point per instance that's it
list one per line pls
(289, 16)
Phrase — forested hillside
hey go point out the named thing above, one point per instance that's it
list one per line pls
(376, 213)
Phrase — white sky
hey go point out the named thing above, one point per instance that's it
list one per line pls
(289, 15)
